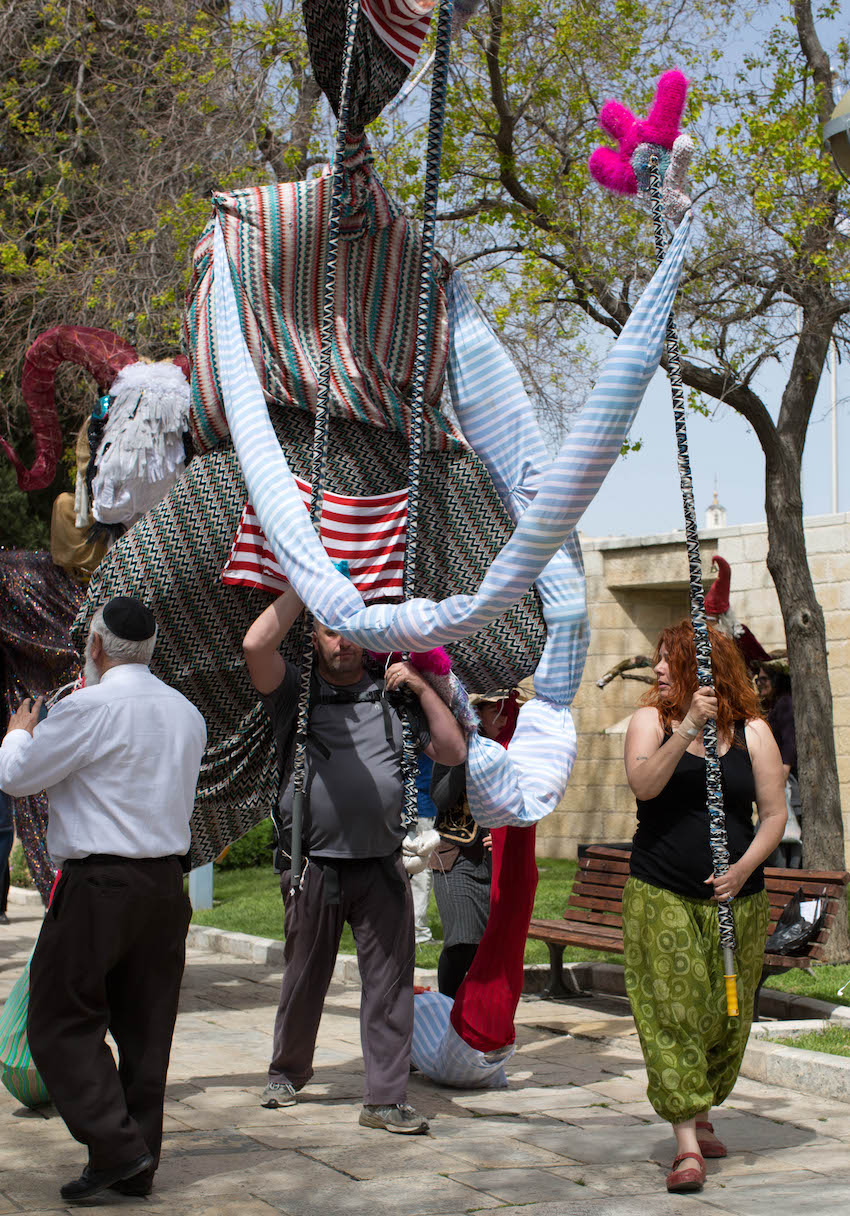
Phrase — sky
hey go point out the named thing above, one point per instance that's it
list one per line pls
(641, 494)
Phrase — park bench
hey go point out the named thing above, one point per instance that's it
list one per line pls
(593, 917)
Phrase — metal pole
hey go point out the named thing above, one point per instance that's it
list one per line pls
(201, 883)
(834, 379)
(713, 777)
(320, 436)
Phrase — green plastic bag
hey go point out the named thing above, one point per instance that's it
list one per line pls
(17, 1071)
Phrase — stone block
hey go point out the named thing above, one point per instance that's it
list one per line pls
(820, 568)
(837, 625)
(828, 538)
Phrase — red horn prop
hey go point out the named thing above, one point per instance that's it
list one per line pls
(100, 352)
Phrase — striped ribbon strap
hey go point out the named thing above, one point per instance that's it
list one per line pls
(713, 781)
(436, 124)
(319, 457)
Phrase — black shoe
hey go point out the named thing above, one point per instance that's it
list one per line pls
(140, 1186)
(92, 1182)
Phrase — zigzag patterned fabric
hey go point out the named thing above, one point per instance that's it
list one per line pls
(276, 240)
(378, 67)
(528, 783)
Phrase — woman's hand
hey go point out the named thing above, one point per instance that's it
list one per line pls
(703, 706)
(728, 885)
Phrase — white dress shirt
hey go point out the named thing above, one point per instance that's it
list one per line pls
(119, 762)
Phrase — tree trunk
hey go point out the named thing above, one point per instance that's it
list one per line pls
(823, 828)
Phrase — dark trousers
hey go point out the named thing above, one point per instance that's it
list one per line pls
(109, 957)
(453, 964)
(7, 836)
(374, 897)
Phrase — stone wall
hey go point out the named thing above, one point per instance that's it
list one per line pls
(636, 586)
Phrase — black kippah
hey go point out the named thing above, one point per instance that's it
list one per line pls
(129, 619)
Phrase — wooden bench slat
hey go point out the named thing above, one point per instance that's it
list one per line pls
(591, 890)
(791, 886)
(604, 865)
(839, 878)
(593, 916)
(611, 907)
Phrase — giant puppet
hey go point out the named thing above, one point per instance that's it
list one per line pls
(319, 299)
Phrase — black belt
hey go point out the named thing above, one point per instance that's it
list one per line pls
(112, 859)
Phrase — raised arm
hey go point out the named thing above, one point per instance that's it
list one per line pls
(448, 744)
(261, 644)
(650, 760)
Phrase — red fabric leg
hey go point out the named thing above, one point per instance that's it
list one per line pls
(484, 1008)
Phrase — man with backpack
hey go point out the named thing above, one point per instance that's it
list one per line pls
(352, 834)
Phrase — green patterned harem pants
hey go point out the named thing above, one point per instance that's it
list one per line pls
(674, 980)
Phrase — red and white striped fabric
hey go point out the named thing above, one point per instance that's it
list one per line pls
(368, 534)
(402, 24)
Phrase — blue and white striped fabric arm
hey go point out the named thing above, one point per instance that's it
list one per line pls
(565, 491)
(491, 404)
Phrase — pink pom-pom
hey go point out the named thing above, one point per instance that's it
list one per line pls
(613, 169)
(436, 661)
(612, 172)
(616, 119)
(661, 125)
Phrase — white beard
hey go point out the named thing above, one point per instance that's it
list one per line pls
(90, 671)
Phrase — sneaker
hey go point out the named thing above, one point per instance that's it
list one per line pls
(277, 1093)
(397, 1118)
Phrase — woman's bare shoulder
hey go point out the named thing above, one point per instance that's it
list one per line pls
(645, 719)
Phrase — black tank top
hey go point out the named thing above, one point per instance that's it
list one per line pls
(671, 845)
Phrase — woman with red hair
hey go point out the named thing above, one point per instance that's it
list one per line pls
(674, 969)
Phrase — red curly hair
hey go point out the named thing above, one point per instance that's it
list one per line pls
(737, 699)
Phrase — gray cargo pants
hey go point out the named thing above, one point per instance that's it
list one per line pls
(374, 897)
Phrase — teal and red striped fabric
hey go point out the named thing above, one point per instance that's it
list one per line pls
(276, 242)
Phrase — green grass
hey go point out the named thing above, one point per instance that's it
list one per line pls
(248, 901)
(822, 982)
(832, 1039)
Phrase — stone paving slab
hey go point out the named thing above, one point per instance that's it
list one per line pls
(573, 1135)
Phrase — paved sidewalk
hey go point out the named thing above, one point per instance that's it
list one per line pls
(572, 1136)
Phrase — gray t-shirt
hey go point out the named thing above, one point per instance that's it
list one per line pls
(354, 784)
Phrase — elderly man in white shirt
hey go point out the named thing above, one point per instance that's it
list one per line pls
(119, 759)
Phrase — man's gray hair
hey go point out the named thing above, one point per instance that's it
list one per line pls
(121, 650)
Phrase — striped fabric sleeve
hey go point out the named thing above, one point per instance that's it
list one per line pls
(401, 24)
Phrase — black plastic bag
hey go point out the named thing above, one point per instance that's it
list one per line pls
(798, 925)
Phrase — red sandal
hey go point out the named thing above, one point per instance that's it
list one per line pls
(709, 1145)
(680, 1181)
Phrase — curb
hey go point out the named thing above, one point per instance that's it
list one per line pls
(813, 1072)
(604, 978)
(25, 896)
(268, 951)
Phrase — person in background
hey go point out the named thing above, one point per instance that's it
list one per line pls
(462, 864)
(774, 689)
(119, 759)
(421, 883)
(673, 961)
(7, 836)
